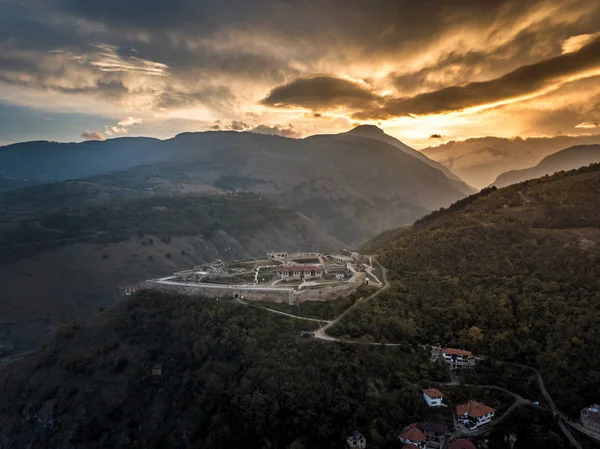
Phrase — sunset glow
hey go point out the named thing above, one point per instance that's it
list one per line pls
(449, 69)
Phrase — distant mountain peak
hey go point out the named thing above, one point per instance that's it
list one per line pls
(367, 129)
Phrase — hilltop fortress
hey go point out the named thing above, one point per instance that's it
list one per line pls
(281, 277)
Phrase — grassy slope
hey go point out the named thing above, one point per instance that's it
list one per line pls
(512, 273)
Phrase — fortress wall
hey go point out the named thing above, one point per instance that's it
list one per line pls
(280, 295)
(250, 294)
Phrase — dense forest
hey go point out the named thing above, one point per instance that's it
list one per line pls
(232, 376)
(513, 274)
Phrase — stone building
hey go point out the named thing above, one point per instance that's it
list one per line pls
(299, 272)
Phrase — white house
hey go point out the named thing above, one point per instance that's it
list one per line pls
(433, 397)
(458, 358)
(474, 414)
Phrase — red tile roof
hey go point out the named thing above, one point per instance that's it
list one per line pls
(462, 443)
(298, 268)
(413, 434)
(474, 409)
(456, 351)
(433, 393)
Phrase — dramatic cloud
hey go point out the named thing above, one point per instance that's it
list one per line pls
(122, 126)
(321, 92)
(456, 67)
(88, 135)
(129, 121)
(525, 81)
(277, 130)
(586, 125)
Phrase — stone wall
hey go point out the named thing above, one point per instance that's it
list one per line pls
(273, 294)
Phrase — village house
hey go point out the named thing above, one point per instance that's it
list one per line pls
(590, 417)
(157, 369)
(299, 272)
(474, 414)
(458, 358)
(462, 443)
(413, 435)
(433, 431)
(433, 397)
(356, 441)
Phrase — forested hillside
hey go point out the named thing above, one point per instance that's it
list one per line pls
(232, 376)
(511, 273)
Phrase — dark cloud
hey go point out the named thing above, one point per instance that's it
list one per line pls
(321, 92)
(435, 136)
(277, 130)
(522, 81)
(88, 135)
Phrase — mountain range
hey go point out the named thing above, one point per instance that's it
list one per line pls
(567, 159)
(91, 218)
(479, 161)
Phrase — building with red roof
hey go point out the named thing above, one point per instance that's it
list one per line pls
(462, 443)
(458, 358)
(413, 435)
(474, 414)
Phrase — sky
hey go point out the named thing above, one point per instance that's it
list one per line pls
(425, 71)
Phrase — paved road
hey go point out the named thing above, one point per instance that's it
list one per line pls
(321, 333)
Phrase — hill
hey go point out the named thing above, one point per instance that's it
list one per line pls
(60, 265)
(342, 182)
(41, 162)
(479, 161)
(511, 273)
(373, 132)
(567, 159)
(230, 376)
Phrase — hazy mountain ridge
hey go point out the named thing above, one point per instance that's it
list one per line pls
(373, 132)
(479, 161)
(567, 159)
(343, 182)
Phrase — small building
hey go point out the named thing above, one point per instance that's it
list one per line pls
(462, 443)
(356, 441)
(277, 255)
(474, 414)
(157, 369)
(340, 276)
(433, 431)
(413, 435)
(458, 358)
(590, 418)
(433, 397)
(341, 259)
(299, 272)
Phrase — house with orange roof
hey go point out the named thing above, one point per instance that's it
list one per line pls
(413, 435)
(462, 443)
(433, 397)
(458, 358)
(474, 414)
